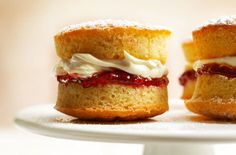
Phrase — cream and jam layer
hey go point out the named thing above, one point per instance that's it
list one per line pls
(225, 66)
(88, 71)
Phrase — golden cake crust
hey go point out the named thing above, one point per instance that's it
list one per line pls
(214, 96)
(111, 115)
(223, 110)
(190, 52)
(215, 41)
(111, 102)
(109, 39)
(188, 89)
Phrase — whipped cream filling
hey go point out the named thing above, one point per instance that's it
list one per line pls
(85, 65)
(224, 60)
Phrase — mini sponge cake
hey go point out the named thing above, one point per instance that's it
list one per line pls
(215, 91)
(188, 78)
(112, 70)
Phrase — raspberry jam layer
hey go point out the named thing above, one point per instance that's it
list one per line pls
(186, 76)
(215, 68)
(113, 77)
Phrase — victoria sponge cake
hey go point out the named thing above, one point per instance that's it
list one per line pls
(112, 70)
(215, 90)
(188, 77)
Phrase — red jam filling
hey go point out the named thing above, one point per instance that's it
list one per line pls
(113, 77)
(221, 69)
(210, 69)
(186, 76)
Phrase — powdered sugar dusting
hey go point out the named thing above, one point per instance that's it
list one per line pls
(219, 100)
(226, 20)
(216, 100)
(109, 23)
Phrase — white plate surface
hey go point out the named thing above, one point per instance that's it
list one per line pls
(176, 125)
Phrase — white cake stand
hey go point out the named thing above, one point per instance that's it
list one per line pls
(175, 132)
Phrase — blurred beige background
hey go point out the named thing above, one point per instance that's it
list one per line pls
(27, 52)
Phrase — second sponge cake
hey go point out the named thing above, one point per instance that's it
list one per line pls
(215, 90)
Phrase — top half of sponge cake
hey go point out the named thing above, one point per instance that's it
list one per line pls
(108, 39)
(189, 51)
(216, 38)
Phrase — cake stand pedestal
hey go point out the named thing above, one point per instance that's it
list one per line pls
(178, 149)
